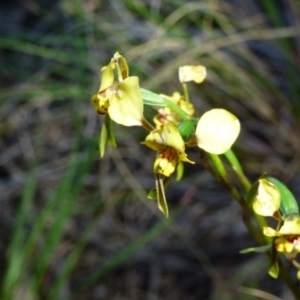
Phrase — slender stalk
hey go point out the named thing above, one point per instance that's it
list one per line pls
(185, 92)
(285, 275)
(245, 183)
(223, 175)
(237, 168)
(147, 125)
(220, 173)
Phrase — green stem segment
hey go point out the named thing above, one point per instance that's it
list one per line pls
(185, 92)
(237, 168)
(147, 125)
(220, 173)
(285, 275)
(245, 183)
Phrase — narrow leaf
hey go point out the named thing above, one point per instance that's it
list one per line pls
(152, 194)
(110, 132)
(153, 99)
(179, 171)
(187, 128)
(274, 270)
(102, 140)
(261, 249)
(161, 197)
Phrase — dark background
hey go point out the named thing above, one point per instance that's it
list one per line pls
(77, 227)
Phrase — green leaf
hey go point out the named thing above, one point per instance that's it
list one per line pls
(152, 194)
(110, 132)
(153, 99)
(237, 168)
(179, 170)
(274, 270)
(288, 204)
(161, 197)
(107, 135)
(187, 128)
(261, 249)
(102, 140)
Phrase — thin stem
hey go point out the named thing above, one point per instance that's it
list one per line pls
(221, 176)
(245, 183)
(237, 168)
(147, 125)
(285, 275)
(185, 92)
(296, 264)
(219, 172)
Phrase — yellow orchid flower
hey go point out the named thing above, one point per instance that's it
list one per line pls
(217, 130)
(267, 201)
(192, 73)
(100, 100)
(165, 114)
(121, 99)
(125, 102)
(170, 148)
(288, 240)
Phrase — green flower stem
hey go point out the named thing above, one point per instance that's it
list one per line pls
(285, 275)
(223, 176)
(185, 92)
(220, 173)
(261, 221)
(296, 264)
(147, 125)
(237, 168)
(245, 183)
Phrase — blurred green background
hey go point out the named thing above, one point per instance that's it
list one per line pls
(77, 227)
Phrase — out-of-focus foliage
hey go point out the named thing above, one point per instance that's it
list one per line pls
(75, 227)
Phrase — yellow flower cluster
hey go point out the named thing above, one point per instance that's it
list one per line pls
(119, 97)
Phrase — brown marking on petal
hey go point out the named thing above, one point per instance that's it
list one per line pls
(104, 108)
(291, 238)
(102, 93)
